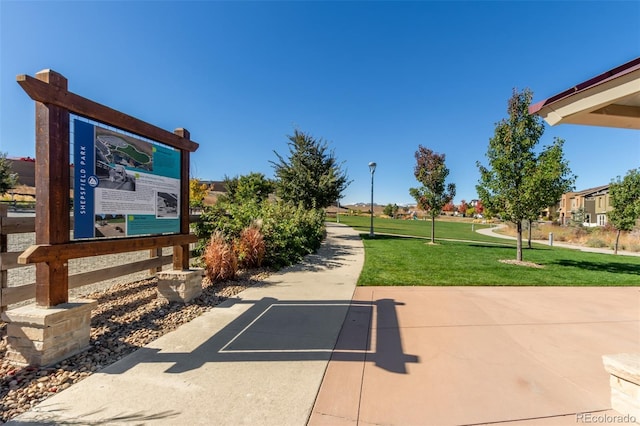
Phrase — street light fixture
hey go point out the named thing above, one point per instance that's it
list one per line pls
(372, 169)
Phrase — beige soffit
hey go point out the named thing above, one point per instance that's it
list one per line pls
(611, 99)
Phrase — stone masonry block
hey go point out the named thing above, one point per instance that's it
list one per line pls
(36, 316)
(624, 370)
(625, 366)
(44, 336)
(180, 285)
(17, 332)
(627, 388)
(624, 404)
(15, 357)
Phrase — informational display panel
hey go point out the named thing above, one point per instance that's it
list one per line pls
(123, 186)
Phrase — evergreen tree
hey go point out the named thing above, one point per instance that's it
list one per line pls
(311, 175)
(7, 179)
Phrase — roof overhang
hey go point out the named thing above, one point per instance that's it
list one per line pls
(611, 99)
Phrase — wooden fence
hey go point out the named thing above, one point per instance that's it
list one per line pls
(9, 260)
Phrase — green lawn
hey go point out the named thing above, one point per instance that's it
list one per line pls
(420, 228)
(395, 260)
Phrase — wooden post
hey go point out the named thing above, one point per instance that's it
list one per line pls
(153, 253)
(181, 253)
(52, 193)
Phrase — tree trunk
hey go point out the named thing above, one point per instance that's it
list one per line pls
(615, 246)
(519, 240)
(529, 241)
(433, 229)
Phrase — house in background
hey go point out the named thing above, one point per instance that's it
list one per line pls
(602, 206)
(590, 206)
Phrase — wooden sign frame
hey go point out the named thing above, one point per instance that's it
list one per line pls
(53, 248)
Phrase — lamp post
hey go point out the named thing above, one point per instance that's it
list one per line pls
(372, 169)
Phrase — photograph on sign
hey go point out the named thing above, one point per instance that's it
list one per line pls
(123, 186)
(166, 205)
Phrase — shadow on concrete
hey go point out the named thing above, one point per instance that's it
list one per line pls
(52, 417)
(275, 330)
(329, 256)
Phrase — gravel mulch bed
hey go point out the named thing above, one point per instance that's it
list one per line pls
(521, 263)
(128, 316)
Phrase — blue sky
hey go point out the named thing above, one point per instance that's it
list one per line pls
(373, 79)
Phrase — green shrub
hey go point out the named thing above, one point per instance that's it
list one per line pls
(228, 218)
(289, 232)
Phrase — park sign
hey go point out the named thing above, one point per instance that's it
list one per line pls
(130, 167)
(124, 186)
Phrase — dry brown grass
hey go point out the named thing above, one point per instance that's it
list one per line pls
(251, 247)
(220, 259)
(601, 237)
(20, 193)
(521, 263)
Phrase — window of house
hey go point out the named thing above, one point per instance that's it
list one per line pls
(602, 219)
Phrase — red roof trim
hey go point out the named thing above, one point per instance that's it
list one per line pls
(606, 76)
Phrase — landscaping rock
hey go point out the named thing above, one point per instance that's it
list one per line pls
(128, 316)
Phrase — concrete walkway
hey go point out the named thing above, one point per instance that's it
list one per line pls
(257, 359)
(306, 348)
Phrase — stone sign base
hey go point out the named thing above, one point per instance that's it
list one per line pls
(44, 336)
(180, 285)
(624, 370)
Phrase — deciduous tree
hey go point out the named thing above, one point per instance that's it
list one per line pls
(197, 192)
(625, 198)
(252, 187)
(462, 208)
(471, 211)
(551, 178)
(434, 194)
(390, 210)
(449, 207)
(511, 185)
